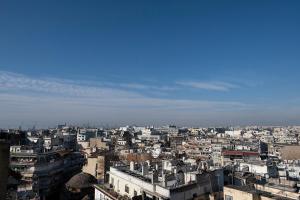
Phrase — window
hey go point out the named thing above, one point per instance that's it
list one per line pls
(135, 193)
(96, 167)
(228, 197)
(127, 189)
(112, 181)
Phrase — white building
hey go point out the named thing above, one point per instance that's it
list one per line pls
(176, 185)
(234, 133)
(257, 167)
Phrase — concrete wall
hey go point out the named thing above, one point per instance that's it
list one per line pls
(188, 193)
(96, 167)
(278, 191)
(90, 167)
(238, 194)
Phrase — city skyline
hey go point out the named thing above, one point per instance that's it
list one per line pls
(198, 63)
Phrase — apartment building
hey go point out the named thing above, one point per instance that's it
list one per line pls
(43, 172)
(140, 180)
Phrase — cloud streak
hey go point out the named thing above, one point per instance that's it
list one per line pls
(215, 86)
(11, 83)
(24, 98)
(147, 87)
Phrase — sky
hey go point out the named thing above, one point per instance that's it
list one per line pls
(190, 63)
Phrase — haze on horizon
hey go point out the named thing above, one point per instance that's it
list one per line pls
(196, 63)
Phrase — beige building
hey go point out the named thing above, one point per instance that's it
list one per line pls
(99, 144)
(95, 166)
(248, 193)
(98, 163)
(238, 193)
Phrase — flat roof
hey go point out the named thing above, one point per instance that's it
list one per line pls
(257, 192)
(239, 153)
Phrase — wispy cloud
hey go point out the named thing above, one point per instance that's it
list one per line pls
(16, 82)
(216, 86)
(59, 99)
(147, 87)
(11, 83)
(134, 86)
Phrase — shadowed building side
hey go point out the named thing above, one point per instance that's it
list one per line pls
(4, 164)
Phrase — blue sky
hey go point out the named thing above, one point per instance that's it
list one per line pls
(200, 63)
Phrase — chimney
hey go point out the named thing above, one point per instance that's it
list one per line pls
(131, 166)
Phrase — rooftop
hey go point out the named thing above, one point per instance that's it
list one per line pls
(131, 173)
(257, 192)
(239, 153)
